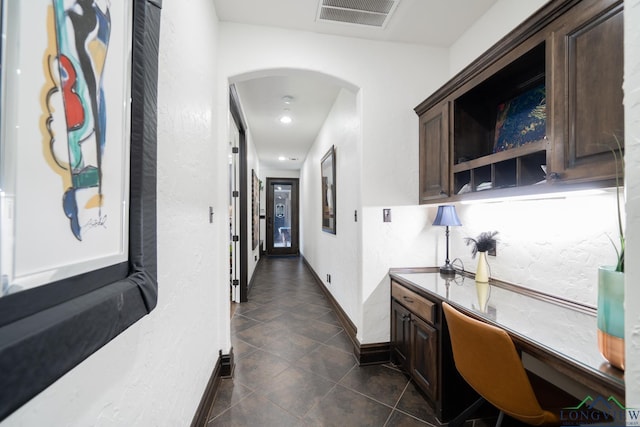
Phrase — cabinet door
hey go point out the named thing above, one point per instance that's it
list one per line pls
(424, 357)
(434, 153)
(400, 334)
(586, 79)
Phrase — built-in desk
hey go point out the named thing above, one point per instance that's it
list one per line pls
(558, 332)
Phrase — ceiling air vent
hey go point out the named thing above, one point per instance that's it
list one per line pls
(374, 13)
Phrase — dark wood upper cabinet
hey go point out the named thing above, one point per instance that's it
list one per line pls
(586, 76)
(434, 153)
(542, 106)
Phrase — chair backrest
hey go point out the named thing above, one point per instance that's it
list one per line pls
(488, 360)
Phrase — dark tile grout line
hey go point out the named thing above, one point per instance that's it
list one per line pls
(335, 385)
(394, 407)
(324, 343)
(300, 418)
(303, 299)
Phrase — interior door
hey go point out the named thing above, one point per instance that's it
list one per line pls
(234, 212)
(282, 216)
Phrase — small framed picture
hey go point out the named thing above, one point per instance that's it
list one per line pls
(328, 176)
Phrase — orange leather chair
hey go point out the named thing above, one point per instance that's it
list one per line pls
(487, 359)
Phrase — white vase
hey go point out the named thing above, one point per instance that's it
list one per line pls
(482, 289)
(482, 272)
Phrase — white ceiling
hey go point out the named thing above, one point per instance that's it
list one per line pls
(429, 22)
(312, 96)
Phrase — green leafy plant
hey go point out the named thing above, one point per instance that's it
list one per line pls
(484, 242)
(618, 155)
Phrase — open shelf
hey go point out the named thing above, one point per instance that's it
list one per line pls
(513, 168)
(525, 150)
(500, 128)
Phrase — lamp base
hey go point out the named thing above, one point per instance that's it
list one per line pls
(448, 270)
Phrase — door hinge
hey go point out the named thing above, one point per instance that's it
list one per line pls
(236, 282)
(236, 238)
(235, 150)
(236, 194)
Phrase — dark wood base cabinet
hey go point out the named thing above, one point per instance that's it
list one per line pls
(420, 344)
(415, 348)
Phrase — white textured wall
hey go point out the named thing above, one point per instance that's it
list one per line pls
(554, 246)
(407, 241)
(632, 175)
(155, 372)
(503, 17)
(278, 173)
(393, 79)
(335, 254)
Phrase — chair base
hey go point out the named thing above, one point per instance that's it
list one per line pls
(467, 413)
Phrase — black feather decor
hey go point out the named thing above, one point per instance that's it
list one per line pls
(484, 242)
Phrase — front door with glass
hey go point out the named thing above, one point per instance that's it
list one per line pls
(282, 216)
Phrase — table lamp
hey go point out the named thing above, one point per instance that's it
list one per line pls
(447, 216)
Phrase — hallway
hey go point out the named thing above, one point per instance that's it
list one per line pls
(294, 364)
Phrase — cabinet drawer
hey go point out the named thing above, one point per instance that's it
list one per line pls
(419, 305)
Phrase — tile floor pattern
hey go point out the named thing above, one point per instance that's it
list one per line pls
(294, 364)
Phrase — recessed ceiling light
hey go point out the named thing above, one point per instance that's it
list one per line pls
(285, 119)
(282, 158)
(287, 99)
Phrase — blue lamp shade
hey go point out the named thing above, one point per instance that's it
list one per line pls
(447, 216)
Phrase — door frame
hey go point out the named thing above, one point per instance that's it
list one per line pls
(295, 216)
(236, 114)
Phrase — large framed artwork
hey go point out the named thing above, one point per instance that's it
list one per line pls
(521, 120)
(328, 179)
(77, 183)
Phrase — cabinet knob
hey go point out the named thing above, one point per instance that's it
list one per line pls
(407, 299)
(406, 317)
(554, 176)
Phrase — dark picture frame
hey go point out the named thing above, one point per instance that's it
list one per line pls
(328, 181)
(48, 330)
(255, 209)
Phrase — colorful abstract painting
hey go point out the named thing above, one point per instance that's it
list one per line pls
(521, 120)
(82, 30)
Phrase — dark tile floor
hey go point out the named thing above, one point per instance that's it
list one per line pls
(294, 364)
